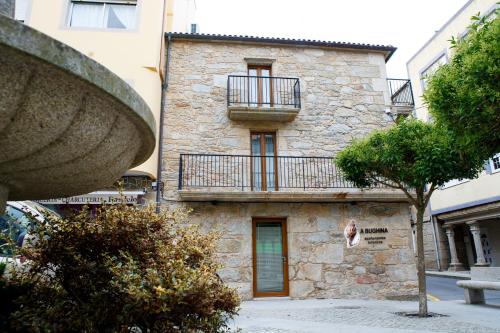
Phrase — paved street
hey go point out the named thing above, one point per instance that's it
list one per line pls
(445, 289)
(353, 316)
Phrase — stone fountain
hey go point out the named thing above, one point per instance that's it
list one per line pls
(68, 125)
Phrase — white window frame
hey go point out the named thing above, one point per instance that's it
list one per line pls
(454, 182)
(441, 55)
(492, 165)
(103, 11)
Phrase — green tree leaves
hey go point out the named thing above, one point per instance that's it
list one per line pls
(464, 95)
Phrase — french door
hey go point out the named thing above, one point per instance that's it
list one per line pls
(264, 161)
(260, 91)
(270, 257)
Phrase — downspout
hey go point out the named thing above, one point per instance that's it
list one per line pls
(164, 86)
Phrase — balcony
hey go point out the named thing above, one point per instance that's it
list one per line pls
(246, 178)
(263, 98)
(402, 102)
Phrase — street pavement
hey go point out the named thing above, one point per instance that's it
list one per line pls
(362, 316)
(445, 289)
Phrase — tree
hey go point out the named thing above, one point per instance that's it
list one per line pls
(414, 157)
(463, 96)
(124, 268)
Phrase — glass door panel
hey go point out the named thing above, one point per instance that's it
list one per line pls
(259, 86)
(265, 87)
(256, 163)
(264, 177)
(270, 264)
(270, 159)
(253, 87)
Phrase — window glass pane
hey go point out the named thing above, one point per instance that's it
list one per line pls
(496, 163)
(86, 15)
(269, 252)
(21, 10)
(120, 16)
(252, 87)
(432, 69)
(269, 141)
(256, 162)
(14, 224)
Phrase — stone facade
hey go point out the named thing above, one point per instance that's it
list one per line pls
(320, 264)
(343, 96)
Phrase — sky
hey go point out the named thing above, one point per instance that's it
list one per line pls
(406, 24)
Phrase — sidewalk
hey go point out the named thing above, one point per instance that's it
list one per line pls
(353, 316)
(462, 275)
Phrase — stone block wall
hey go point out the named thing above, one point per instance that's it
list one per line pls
(429, 247)
(320, 264)
(343, 95)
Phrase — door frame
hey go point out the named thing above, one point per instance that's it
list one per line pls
(284, 242)
(263, 163)
(259, 69)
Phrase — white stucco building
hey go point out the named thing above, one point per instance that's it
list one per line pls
(464, 225)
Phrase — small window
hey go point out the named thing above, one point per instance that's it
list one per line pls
(102, 14)
(431, 69)
(194, 28)
(495, 163)
(454, 182)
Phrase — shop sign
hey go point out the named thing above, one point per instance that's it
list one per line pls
(353, 234)
(95, 199)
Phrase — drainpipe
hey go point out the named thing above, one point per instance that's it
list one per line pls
(164, 87)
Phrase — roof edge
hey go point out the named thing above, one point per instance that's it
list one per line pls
(387, 49)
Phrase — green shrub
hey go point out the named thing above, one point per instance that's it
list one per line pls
(124, 268)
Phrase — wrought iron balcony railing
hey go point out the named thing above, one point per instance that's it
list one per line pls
(263, 91)
(401, 92)
(259, 173)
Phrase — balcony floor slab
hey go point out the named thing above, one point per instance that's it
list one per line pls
(281, 114)
(333, 195)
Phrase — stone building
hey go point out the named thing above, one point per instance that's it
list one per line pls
(463, 228)
(250, 128)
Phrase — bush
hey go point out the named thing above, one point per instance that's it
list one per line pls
(124, 268)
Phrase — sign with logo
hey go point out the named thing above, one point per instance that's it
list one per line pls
(98, 198)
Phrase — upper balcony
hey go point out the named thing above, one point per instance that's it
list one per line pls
(265, 98)
(246, 178)
(401, 96)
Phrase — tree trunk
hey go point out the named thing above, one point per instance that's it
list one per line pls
(422, 289)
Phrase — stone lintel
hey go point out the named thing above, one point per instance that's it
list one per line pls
(281, 114)
(343, 195)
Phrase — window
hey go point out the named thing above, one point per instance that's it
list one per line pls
(495, 163)
(264, 166)
(21, 10)
(454, 182)
(431, 69)
(260, 88)
(14, 224)
(103, 14)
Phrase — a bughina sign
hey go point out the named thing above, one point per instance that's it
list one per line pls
(98, 198)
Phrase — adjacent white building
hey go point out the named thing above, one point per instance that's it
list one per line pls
(464, 224)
